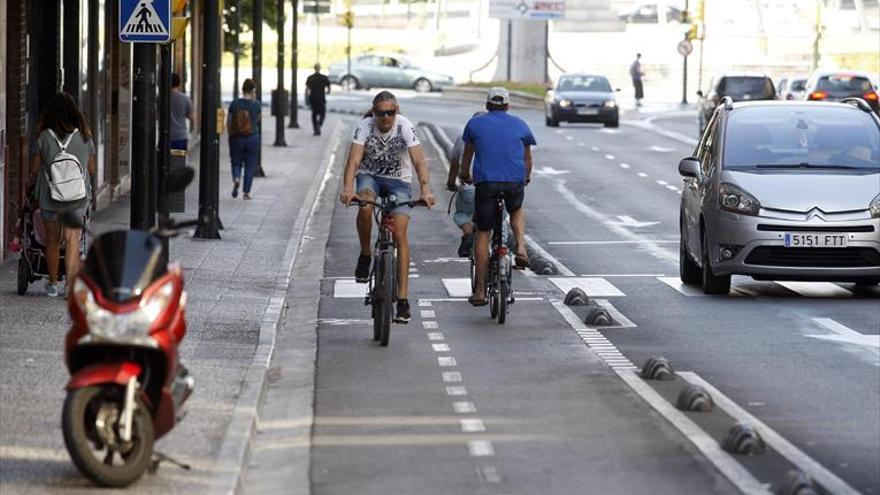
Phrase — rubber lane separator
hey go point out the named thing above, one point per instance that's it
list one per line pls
(606, 351)
(804, 462)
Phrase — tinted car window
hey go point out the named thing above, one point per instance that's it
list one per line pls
(850, 85)
(801, 137)
(798, 84)
(738, 87)
(584, 83)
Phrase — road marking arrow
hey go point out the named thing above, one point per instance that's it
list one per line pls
(550, 171)
(845, 334)
(627, 221)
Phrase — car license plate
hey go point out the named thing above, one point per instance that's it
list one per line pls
(814, 240)
(588, 111)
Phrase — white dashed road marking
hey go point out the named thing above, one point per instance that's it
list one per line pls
(676, 283)
(816, 289)
(435, 336)
(472, 425)
(642, 175)
(464, 407)
(609, 157)
(480, 448)
(446, 362)
(457, 287)
(456, 391)
(594, 287)
(428, 314)
(429, 325)
(440, 347)
(451, 376)
(844, 334)
(624, 165)
(349, 289)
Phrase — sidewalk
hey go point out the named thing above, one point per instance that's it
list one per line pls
(231, 284)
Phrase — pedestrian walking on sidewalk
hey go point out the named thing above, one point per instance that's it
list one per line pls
(181, 110)
(244, 137)
(636, 73)
(64, 147)
(317, 89)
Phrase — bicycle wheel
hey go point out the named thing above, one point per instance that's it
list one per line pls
(375, 298)
(386, 297)
(503, 295)
(493, 287)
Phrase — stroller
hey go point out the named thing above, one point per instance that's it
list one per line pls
(30, 239)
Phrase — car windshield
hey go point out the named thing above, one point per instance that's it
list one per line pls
(798, 85)
(801, 137)
(737, 87)
(850, 85)
(584, 83)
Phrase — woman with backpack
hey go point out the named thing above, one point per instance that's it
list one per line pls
(61, 167)
(244, 137)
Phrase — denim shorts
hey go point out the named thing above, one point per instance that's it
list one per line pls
(464, 206)
(381, 186)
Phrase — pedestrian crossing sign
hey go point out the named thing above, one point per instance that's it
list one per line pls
(144, 21)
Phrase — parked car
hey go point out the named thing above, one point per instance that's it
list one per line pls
(791, 89)
(837, 85)
(386, 71)
(740, 87)
(581, 98)
(782, 191)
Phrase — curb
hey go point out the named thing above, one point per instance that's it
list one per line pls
(235, 450)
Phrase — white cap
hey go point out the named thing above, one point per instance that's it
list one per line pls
(498, 95)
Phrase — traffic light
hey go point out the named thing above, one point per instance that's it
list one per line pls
(179, 22)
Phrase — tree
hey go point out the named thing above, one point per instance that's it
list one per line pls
(247, 16)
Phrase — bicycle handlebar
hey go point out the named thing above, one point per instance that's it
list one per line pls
(390, 205)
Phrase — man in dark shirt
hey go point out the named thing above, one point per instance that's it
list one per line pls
(317, 87)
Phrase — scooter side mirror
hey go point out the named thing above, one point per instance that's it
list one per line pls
(177, 179)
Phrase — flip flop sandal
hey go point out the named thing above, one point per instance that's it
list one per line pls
(477, 302)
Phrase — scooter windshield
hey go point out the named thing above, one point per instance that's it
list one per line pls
(124, 263)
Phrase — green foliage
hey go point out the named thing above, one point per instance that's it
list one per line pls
(270, 18)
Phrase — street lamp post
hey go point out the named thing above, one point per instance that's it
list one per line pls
(294, 61)
(143, 143)
(209, 154)
(279, 93)
(258, 75)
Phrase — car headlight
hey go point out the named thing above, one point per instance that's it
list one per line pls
(133, 326)
(874, 207)
(564, 103)
(738, 201)
(610, 104)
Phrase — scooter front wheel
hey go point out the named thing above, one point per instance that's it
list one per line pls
(91, 425)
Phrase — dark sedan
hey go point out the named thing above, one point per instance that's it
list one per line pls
(581, 98)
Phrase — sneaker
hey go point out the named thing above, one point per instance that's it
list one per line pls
(402, 315)
(248, 197)
(464, 249)
(51, 290)
(362, 272)
(235, 189)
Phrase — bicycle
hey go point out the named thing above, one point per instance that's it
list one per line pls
(499, 285)
(381, 293)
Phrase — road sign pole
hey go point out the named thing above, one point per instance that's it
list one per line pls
(258, 76)
(209, 155)
(279, 118)
(143, 143)
(236, 54)
(294, 61)
(684, 80)
(164, 135)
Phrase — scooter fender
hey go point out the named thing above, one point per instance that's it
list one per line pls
(102, 373)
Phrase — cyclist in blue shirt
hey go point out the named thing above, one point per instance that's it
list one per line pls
(499, 144)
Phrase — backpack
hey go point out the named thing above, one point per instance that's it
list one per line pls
(66, 176)
(241, 122)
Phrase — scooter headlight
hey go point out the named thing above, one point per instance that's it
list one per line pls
(132, 326)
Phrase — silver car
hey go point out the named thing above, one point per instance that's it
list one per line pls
(783, 191)
(386, 71)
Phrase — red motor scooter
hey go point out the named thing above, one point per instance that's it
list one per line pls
(127, 385)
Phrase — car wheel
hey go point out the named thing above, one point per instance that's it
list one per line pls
(547, 121)
(712, 284)
(423, 85)
(689, 272)
(613, 123)
(349, 83)
(552, 121)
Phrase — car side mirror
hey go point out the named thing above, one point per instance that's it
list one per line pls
(617, 90)
(699, 93)
(689, 167)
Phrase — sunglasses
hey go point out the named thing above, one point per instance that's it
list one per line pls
(384, 113)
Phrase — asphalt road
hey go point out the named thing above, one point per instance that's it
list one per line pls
(603, 203)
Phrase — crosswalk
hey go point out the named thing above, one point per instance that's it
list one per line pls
(602, 287)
